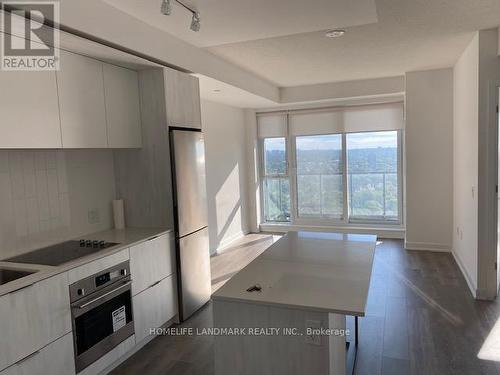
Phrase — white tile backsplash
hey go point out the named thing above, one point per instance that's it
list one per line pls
(45, 196)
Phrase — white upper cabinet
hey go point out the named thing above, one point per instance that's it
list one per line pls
(29, 110)
(123, 115)
(81, 99)
(182, 99)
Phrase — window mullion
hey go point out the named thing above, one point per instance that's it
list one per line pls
(344, 179)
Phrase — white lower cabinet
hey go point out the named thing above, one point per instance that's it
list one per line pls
(154, 307)
(151, 261)
(33, 317)
(54, 359)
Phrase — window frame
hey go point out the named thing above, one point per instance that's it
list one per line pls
(291, 175)
(316, 219)
(263, 176)
(383, 219)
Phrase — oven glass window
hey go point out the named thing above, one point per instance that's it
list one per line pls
(97, 324)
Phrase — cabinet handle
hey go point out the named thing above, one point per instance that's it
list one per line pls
(155, 284)
(27, 357)
(97, 299)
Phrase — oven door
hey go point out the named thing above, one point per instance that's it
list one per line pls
(101, 321)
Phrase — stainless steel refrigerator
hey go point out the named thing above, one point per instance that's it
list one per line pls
(190, 217)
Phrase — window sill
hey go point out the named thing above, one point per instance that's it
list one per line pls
(381, 230)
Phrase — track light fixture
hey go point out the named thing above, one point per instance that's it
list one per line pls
(166, 9)
(195, 22)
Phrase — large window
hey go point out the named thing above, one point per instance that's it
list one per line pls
(345, 165)
(276, 185)
(319, 176)
(372, 171)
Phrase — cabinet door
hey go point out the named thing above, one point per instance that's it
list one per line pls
(151, 261)
(123, 116)
(81, 97)
(33, 317)
(154, 307)
(29, 110)
(183, 99)
(56, 358)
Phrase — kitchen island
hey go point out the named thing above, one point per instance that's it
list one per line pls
(290, 306)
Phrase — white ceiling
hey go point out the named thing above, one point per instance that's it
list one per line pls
(220, 92)
(232, 21)
(281, 40)
(409, 35)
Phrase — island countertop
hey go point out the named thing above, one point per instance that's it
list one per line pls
(328, 272)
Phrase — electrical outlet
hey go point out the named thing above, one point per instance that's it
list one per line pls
(312, 337)
(94, 216)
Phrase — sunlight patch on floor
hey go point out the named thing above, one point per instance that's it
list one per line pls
(490, 350)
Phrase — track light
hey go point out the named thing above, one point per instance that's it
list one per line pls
(195, 22)
(166, 7)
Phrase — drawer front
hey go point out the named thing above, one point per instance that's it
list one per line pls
(33, 317)
(151, 261)
(154, 307)
(98, 265)
(55, 359)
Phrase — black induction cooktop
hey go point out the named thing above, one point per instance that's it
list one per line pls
(61, 253)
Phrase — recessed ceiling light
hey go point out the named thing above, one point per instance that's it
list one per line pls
(335, 33)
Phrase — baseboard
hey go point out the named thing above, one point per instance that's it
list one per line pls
(468, 279)
(427, 246)
(228, 241)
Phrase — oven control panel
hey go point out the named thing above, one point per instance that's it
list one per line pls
(98, 281)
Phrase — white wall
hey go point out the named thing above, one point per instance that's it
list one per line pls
(429, 159)
(45, 196)
(226, 164)
(465, 156)
(343, 90)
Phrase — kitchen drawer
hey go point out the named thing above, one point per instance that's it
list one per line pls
(98, 265)
(154, 307)
(56, 358)
(151, 261)
(33, 317)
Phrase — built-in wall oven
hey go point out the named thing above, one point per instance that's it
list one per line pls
(101, 308)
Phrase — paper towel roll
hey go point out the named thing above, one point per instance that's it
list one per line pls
(118, 214)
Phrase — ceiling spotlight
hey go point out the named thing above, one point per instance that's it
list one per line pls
(337, 33)
(195, 22)
(166, 7)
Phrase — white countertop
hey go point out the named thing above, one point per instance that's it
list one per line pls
(125, 238)
(327, 272)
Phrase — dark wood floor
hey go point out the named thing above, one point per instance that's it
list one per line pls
(421, 319)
